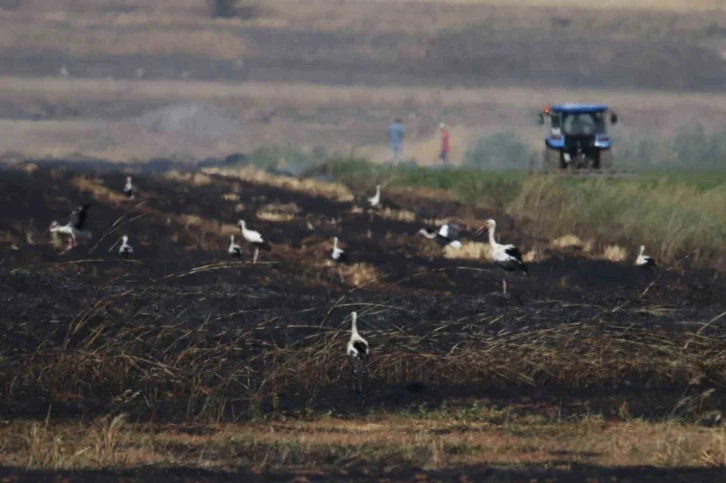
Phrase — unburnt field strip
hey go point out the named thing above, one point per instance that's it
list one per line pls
(185, 358)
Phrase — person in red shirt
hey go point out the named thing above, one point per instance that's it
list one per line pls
(444, 155)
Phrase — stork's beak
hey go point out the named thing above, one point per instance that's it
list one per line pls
(480, 230)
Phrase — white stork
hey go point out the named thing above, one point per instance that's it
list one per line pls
(375, 199)
(234, 250)
(74, 228)
(338, 254)
(507, 257)
(644, 261)
(255, 239)
(448, 234)
(125, 250)
(357, 351)
(129, 189)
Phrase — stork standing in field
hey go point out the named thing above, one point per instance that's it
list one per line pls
(507, 257)
(357, 351)
(129, 189)
(74, 228)
(234, 250)
(338, 255)
(375, 200)
(254, 238)
(644, 261)
(125, 250)
(448, 234)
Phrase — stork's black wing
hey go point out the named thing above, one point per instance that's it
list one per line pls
(361, 348)
(514, 253)
(454, 231)
(78, 217)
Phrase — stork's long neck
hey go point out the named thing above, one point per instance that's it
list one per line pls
(378, 191)
(335, 243)
(642, 249)
(491, 237)
(354, 325)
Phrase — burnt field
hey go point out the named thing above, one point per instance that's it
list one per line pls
(184, 333)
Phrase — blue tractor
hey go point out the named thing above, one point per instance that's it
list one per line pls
(578, 137)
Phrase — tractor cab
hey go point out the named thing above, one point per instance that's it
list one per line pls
(578, 136)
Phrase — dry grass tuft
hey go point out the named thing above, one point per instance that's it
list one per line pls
(532, 256)
(66, 447)
(360, 274)
(469, 250)
(30, 168)
(567, 241)
(614, 253)
(210, 226)
(333, 191)
(204, 233)
(191, 220)
(98, 190)
(278, 212)
(397, 215)
(194, 179)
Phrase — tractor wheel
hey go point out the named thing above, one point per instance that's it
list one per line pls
(606, 159)
(552, 160)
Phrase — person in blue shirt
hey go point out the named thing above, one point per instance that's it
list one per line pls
(396, 133)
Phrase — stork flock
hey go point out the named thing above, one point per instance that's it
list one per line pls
(506, 256)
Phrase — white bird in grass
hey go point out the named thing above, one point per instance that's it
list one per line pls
(357, 351)
(234, 249)
(448, 234)
(507, 257)
(255, 239)
(125, 250)
(74, 228)
(644, 261)
(129, 189)
(375, 199)
(338, 254)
